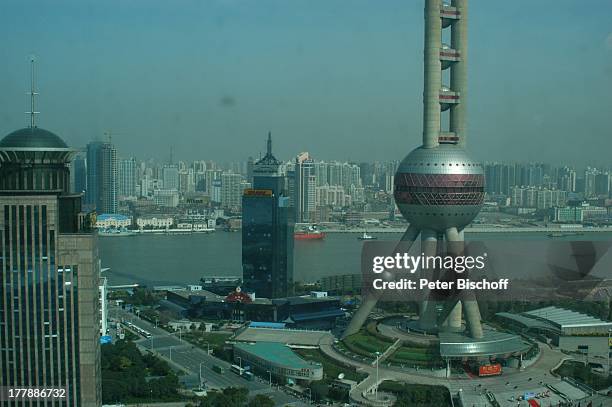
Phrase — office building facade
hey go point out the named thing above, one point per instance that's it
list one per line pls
(127, 177)
(101, 191)
(49, 273)
(267, 231)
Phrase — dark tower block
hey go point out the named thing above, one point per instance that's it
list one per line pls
(267, 231)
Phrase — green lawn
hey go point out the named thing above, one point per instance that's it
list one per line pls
(407, 354)
(365, 344)
(417, 395)
(331, 368)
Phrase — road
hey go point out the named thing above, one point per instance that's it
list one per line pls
(188, 358)
(533, 378)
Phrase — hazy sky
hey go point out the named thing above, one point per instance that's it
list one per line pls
(341, 79)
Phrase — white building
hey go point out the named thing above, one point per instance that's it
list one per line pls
(127, 177)
(166, 197)
(154, 222)
(231, 190)
(116, 221)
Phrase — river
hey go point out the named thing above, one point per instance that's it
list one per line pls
(184, 259)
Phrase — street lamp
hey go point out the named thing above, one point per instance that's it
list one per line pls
(376, 389)
(609, 332)
(201, 363)
(270, 373)
(171, 353)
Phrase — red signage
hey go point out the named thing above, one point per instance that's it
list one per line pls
(490, 370)
(258, 192)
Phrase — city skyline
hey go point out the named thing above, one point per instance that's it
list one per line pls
(326, 77)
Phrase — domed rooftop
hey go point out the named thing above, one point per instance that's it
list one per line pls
(32, 137)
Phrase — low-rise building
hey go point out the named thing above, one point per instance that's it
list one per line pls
(571, 331)
(342, 284)
(112, 220)
(277, 360)
(154, 222)
(310, 312)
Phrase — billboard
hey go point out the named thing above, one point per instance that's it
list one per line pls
(258, 192)
(490, 370)
(106, 339)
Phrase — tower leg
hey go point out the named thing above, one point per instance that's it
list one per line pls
(427, 314)
(369, 302)
(470, 305)
(454, 247)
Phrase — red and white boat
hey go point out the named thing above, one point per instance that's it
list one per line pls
(309, 234)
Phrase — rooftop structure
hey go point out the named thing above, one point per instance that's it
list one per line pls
(559, 321)
(278, 360)
(565, 319)
(457, 345)
(285, 336)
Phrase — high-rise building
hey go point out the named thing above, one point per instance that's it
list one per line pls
(267, 231)
(127, 177)
(101, 191)
(91, 193)
(170, 177)
(186, 180)
(107, 197)
(79, 175)
(602, 184)
(49, 273)
(231, 190)
(304, 188)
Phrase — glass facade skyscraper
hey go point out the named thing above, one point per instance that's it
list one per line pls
(49, 273)
(102, 177)
(267, 231)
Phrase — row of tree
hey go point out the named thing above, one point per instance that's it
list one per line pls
(234, 397)
(128, 375)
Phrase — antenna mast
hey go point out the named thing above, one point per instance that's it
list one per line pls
(32, 94)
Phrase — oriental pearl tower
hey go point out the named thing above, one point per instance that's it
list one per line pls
(438, 188)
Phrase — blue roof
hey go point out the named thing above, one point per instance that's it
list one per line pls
(109, 216)
(317, 315)
(274, 325)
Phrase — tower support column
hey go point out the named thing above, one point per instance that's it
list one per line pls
(369, 302)
(458, 73)
(432, 74)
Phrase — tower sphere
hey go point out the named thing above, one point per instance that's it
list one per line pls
(437, 188)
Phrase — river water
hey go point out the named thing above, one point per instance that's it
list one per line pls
(184, 259)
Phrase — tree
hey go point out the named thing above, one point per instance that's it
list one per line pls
(238, 395)
(261, 400)
(230, 397)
